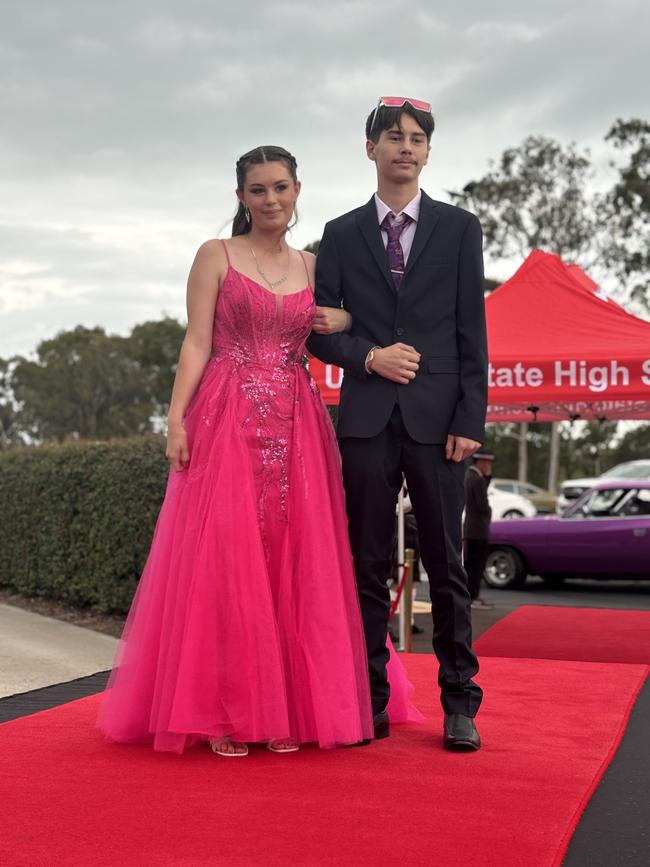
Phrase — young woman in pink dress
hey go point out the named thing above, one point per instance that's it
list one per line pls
(245, 627)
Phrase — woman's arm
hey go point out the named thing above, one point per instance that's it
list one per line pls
(348, 351)
(206, 274)
(331, 320)
(328, 320)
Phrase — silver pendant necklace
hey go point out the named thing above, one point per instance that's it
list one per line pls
(272, 283)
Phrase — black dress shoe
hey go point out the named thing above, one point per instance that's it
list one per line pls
(460, 733)
(416, 630)
(381, 724)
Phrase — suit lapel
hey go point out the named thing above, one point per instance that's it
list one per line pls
(369, 227)
(427, 220)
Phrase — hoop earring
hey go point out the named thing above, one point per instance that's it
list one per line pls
(247, 214)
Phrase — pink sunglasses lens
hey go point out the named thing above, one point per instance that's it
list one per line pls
(398, 102)
(420, 105)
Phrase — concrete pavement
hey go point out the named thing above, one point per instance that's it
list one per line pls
(37, 651)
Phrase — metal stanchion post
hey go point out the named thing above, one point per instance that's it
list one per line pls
(407, 600)
(400, 564)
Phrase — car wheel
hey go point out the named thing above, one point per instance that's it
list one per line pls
(505, 568)
(553, 580)
(512, 513)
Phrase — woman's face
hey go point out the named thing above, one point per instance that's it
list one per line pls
(270, 194)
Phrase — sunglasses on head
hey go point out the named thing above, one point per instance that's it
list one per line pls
(399, 102)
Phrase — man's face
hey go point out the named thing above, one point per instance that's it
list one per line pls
(401, 152)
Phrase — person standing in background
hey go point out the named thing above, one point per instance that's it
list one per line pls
(478, 514)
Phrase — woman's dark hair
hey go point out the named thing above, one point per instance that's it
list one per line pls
(386, 118)
(266, 154)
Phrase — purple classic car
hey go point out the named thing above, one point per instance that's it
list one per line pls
(604, 534)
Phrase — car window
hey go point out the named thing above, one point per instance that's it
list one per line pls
(528, 490)
(636, 503)
(602, 503)
(508, 487)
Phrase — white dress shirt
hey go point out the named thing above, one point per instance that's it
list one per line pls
(412, 210)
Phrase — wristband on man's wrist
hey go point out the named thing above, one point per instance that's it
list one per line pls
(369, 359)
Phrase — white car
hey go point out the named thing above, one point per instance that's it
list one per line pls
(505, 505)
(574, 488)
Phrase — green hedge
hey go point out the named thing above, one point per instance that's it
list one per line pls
(76, 519)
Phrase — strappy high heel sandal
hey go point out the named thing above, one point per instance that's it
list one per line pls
(283, 745)
(219, 745)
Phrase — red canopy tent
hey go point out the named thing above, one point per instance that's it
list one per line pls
(559, 349)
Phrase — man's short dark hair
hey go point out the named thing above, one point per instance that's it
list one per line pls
(386, 118)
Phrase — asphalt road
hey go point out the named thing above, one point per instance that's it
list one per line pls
(578, 593)
(575, 593)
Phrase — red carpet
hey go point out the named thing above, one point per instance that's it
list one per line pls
(588, 634)
(68, 798)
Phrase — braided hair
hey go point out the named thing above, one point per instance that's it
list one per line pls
(259, 155)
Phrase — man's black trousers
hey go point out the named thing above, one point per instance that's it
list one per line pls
(372, 473)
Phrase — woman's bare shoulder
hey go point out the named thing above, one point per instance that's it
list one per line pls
(213, 248)
(211, 258)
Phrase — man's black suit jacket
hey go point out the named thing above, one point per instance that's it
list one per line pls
(438, 309)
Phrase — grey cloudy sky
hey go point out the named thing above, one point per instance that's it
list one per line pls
(120, 123)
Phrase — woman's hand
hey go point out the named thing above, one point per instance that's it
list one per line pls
(177, 452)
(330, 320)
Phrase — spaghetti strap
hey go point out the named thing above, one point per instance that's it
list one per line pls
(225, 249)
(304, 262)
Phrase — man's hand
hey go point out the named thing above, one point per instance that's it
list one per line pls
(459, 448)
(398, 363)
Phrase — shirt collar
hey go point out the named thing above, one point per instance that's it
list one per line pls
(412, 209)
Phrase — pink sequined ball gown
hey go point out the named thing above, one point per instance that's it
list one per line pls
(246, 622)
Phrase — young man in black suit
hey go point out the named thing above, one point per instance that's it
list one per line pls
(413, 400)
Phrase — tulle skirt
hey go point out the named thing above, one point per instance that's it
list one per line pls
(246, 621)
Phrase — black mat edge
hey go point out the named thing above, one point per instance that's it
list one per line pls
(614, 830)
(47, 697)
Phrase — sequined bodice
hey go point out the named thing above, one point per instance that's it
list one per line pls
(254, 327)
(258, 344)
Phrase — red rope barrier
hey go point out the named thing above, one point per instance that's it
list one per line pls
(393, 607)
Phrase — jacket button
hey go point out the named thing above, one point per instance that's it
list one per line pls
(399, 331)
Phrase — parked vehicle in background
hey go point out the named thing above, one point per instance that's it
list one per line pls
(544, 501)
(507, 506)
(574, 488)
(604, 534)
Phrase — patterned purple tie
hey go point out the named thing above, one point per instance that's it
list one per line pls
(394, 247)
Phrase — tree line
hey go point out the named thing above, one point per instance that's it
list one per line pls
(544, 195)
(583, 449)
(87, 384)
